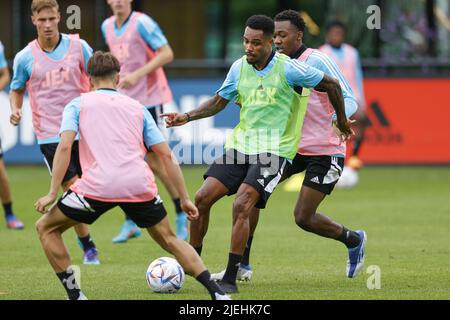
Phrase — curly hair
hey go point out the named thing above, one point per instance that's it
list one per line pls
(292, 16)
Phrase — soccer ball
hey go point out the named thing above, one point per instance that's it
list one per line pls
(349, 179)
(165, 275)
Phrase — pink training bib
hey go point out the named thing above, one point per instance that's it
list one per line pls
(53, 84)
(318, 136)
(112, 150)
(133, 53)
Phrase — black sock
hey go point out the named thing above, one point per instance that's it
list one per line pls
(127, 218)
(70, 284)
(199, 250)
(177, 204)
(87, 242)
(350, 238)
(232, 268)
(205, 279)
(246, 258)
(8, 208)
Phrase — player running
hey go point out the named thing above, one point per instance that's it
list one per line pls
(117, 131)
(52, 68)
(142, 49)
(321, 152)
(271, 90)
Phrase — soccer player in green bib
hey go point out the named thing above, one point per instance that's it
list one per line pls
(271, 90)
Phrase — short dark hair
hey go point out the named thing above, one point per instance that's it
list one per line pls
(261, 22)
(103, 65)
(292, 16)
(335, 23)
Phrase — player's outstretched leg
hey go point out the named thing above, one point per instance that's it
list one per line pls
(50, 228)
(211, 191)
(309, 220)
(186, 256)
(245, 271)
(246, 198)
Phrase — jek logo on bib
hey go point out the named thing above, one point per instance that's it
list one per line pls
(262, 96)
(56, 77)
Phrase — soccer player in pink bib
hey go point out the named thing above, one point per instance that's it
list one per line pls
(12, 222)
(138, 43)
(52, 69)
(115, 132)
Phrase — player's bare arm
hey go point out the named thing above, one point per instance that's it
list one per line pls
(332, 87)
(60, 165)
(174, 172)
(16, 102)
(164, 55)
(207, 109)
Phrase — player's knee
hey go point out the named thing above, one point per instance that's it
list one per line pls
(303, 222)
(37, 226)
(202, 201)
(241, 208)
(169, 243)
(244, 202)
(40, 227)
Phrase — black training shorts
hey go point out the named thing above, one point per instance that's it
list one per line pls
(262, 171)
(74, 169)
(322, 172)
(82, 209)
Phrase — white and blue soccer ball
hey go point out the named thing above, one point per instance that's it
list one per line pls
(165, 275)
(349, 179)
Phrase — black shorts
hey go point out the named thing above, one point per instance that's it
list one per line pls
(1, 149)
(263, 172)
(74, 169)
(144, 214)
(156, 111)
(322, 172)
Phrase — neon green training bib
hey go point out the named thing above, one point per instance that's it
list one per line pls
(272, 113)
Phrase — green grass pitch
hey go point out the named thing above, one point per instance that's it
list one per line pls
(405, 211)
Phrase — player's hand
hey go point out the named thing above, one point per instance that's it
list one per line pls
(128, 81)
(15, 117)
(174, 119)
(190, 209)
(43, 202)
(344, 130)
